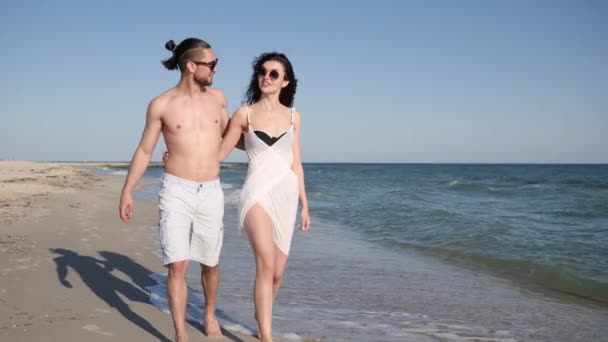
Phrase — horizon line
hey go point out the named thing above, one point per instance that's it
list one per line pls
(157, 163)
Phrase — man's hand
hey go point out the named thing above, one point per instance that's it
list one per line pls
(126, 207)
(165, 157)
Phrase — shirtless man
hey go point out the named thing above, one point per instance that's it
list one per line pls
(192, 117)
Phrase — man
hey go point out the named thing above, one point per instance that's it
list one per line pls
(192, 117)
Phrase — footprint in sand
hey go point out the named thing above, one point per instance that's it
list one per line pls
(96, 236)
(84, 220)
(34, 265)
(96, 329)
(83, 215)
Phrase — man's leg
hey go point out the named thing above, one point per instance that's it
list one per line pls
(175, 228)
(206, 244)
(210, 279)
(177, 293)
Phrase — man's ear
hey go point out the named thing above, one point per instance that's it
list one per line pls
(191, 67)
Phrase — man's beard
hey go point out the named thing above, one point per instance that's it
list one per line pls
(203, 82)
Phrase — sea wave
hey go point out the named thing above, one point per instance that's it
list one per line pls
(549, 277)
(498, 187)
(195, 309)
(112, 171)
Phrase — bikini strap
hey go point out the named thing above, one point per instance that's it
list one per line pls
(248, 118)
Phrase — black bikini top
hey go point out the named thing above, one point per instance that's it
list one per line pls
(268, 139)
(263, 135)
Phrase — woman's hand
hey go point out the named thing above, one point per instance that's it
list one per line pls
(305, 219)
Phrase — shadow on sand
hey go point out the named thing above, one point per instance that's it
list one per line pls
(95, 273)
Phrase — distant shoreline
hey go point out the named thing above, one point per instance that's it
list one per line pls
(125, 164)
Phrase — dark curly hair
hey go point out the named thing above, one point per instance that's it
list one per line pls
(287, 94)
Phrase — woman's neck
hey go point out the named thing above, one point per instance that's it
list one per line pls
(269, 102)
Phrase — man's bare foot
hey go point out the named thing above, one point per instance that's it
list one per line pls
(212, 327)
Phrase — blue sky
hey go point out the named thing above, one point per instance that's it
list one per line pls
(383, 81)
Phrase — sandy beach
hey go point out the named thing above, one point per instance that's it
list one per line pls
(69, 268)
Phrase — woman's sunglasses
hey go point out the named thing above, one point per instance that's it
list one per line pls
(211, 64)
(272, 74)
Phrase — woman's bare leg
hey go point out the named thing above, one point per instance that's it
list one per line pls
(280, 262)
(259, 229)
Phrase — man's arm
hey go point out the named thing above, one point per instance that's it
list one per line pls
(234, 133)
(141, 157)
(226, 121)
(225, 117)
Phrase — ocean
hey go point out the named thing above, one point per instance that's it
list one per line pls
(428, 252)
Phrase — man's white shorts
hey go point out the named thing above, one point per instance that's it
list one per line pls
(191, 220)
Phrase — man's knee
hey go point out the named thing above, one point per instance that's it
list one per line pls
(178, 268)
(210, 269)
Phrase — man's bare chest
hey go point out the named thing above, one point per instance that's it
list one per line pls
(192, 121)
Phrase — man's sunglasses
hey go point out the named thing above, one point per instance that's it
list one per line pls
(211, 64)
(272, 74)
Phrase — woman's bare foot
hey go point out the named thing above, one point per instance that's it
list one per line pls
(259, 334)
(212, 327)
(181, 337)
(265, 338)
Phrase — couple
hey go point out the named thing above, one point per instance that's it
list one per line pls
(199, 134)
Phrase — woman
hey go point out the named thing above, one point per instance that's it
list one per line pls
(275, 177)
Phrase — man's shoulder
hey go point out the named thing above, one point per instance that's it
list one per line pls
(167, 95)
(217, 92)
(164, 97)
(160, 103)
